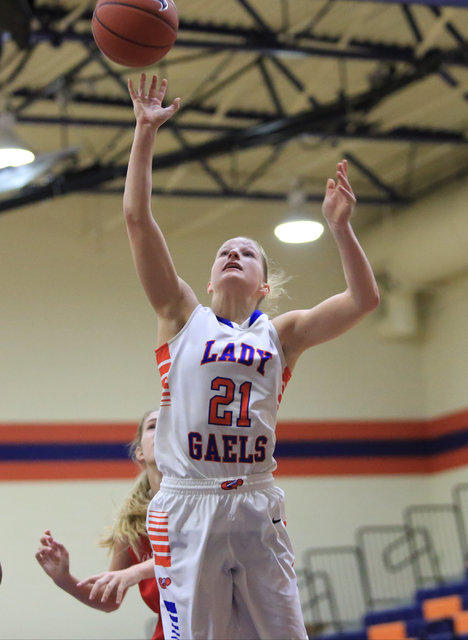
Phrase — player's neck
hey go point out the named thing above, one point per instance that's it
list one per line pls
(233, 308)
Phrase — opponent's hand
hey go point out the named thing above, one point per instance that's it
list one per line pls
(53, 557)
(147, 106)
(110, 582)
(339, 201)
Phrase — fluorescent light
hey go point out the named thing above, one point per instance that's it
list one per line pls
(13, 153)
(299, 231)
(15, 157)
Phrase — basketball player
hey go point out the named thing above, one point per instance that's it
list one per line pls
(217, 524)
(131, 550)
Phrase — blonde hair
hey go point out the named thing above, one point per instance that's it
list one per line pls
(130, 524)
(275, 277)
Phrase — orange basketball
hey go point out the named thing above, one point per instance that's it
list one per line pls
(135, 33)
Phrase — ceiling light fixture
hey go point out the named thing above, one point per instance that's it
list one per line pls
(13, 153)
(299, 226)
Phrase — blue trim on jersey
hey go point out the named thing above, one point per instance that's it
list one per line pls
(224, 321)
(255, 315)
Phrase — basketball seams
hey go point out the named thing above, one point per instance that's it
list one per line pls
(132, 6)
(134, 42)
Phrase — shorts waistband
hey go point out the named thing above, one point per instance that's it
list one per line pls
(252, 482)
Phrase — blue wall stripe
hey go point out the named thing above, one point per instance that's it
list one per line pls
(48, 451)
(284, 449)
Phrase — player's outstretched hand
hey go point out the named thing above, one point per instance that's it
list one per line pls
(339, 201)
(53, 557)
(148, 105)
(110, 582)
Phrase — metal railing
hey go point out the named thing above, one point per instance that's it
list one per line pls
(338, 581)
(443, 523)
(318, 601)
(387, 565)
(392, 558)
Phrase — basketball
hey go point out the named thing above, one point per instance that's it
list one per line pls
(135, 33)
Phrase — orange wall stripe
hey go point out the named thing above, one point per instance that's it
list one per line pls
(350, 430)
(67, 432)
(321, 431)
(350, 466)
(68, 470)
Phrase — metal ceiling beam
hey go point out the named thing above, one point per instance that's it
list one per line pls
(79, 182)
(329, 116)
(434, 3)
(365, 132)
(258, 43)
(257, 17)
(239, 194)
(373, 178)
(106, 123)
(446, 76)
(103, 101)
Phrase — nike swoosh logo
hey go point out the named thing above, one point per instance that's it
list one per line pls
(276, 521)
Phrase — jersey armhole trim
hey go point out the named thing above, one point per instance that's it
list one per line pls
(192, 315)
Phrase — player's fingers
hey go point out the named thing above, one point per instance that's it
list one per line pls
(162, 90)
(152, 89)
(342, 168)
(85, 582)
(89, 580)
(108, 590)
(95, 590)
(142, 84)
(121, 590)
(44, 550)
(343, 179)
(54, 546)
(349, 195)
(131, 90)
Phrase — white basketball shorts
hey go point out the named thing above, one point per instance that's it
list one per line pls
(223, 560)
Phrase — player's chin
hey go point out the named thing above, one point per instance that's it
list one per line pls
(231, 271)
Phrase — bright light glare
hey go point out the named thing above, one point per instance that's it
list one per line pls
(15, 157)
(297, 231)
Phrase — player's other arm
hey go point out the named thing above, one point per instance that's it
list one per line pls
(298, 330)
(172, 299)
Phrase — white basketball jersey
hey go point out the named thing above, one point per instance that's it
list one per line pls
(221, 387)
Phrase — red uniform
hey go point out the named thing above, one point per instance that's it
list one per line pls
(148, 588)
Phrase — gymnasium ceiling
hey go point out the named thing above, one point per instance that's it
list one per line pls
(274, 92)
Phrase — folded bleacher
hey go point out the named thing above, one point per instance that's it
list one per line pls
(436, 613)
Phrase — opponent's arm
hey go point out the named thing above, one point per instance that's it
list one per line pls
(112, 585)
(298, 330)
(54, 558)
(172, 299)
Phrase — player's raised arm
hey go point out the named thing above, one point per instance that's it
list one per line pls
(171, 297)
(298, 330)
